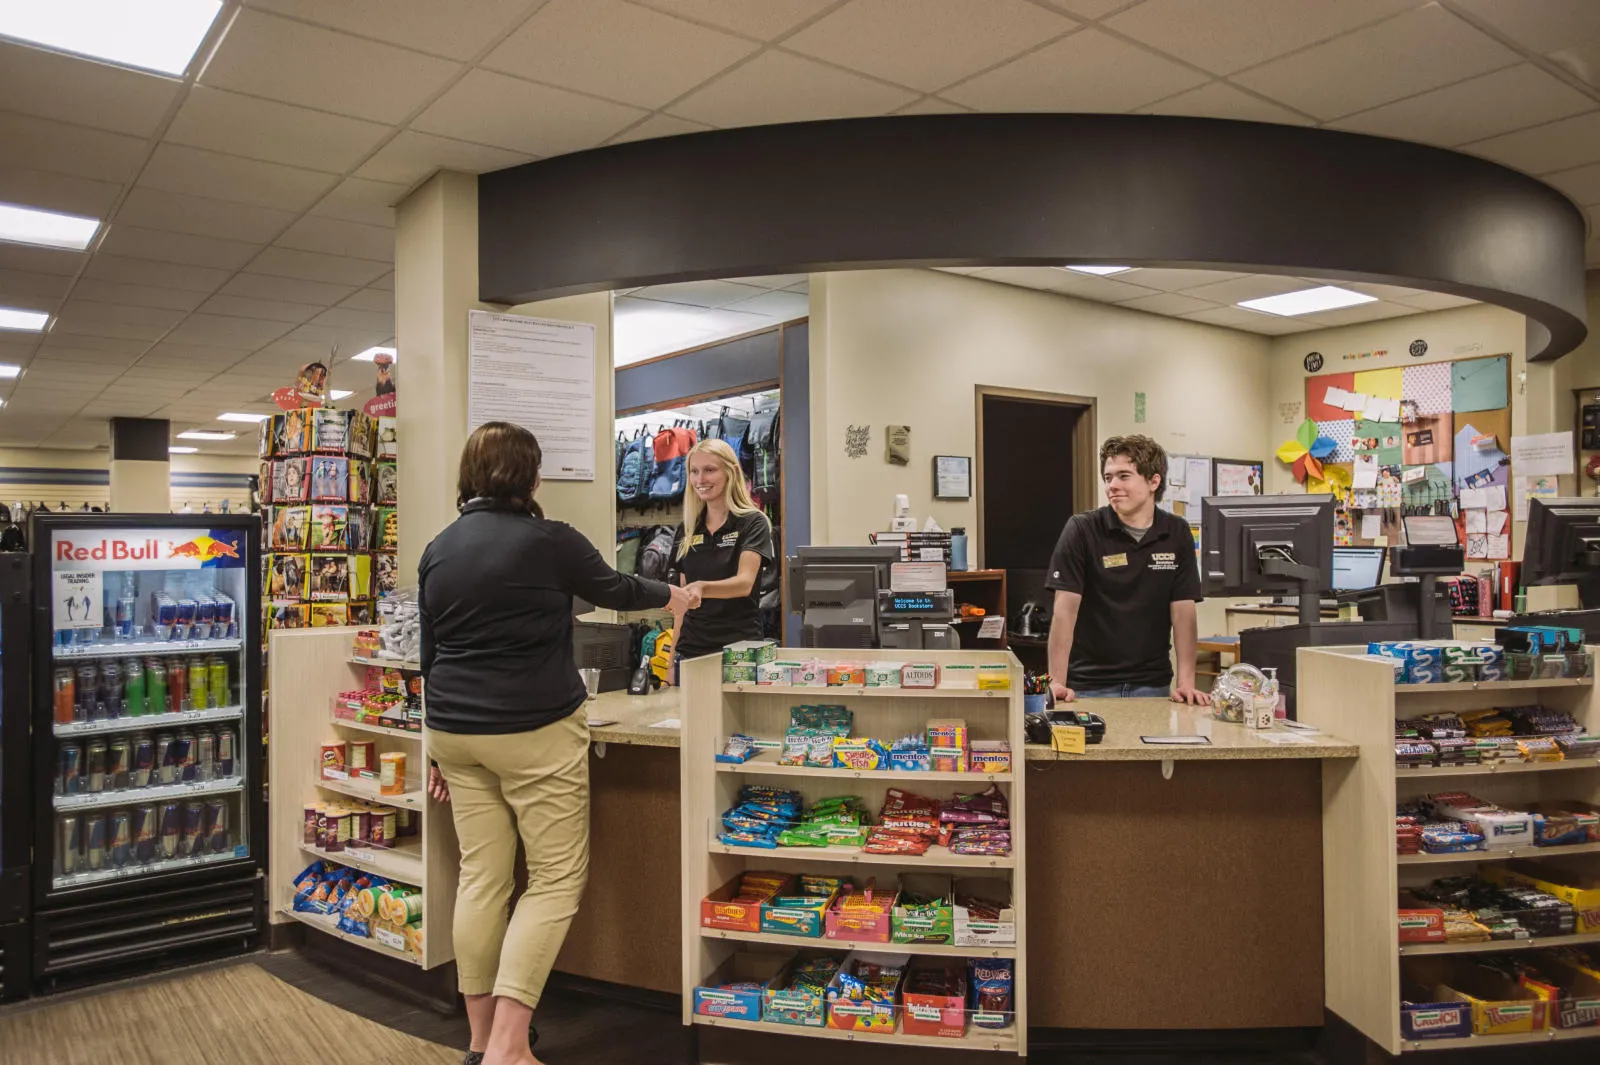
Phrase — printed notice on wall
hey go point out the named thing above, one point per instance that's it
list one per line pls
(1542, 453)
(537, 373)
(77, 600)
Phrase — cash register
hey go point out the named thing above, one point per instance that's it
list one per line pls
(866, 597)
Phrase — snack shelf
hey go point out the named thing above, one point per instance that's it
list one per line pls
(1498, 855)
(764, 764)
(937, 857)
(1479, 1042)
(140, 796)
(818, 691)
(1497, 946)
(377, 730)
(402, 863)
(167, 865)
(387, 663)
(144, 721)
(1001, 1039)
(1494, 685)
(130, 648)
(328, 925)
(942, 950)
(1404, 773)
(368, 790)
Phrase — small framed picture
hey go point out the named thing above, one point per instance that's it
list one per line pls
(952, 477)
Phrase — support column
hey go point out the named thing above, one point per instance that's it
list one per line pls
(141, 479)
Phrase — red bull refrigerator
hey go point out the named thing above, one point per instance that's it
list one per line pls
(149, 815)
(16, 775)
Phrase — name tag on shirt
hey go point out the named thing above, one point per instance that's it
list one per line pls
(696, 540)
(1114, 561)
(729, 540)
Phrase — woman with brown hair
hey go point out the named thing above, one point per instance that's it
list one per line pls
(496, 590)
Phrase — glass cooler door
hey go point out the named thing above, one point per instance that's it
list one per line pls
(146, 691)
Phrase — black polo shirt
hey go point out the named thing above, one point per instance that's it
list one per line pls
(714, 556)
(1128, 586)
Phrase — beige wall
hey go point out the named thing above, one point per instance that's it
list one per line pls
(910, 347)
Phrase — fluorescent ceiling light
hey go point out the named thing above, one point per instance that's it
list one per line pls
(28, 321)
(28, 225)
(235, 416)
(177, 450)
(8, 371)
(205, 434)
(1100, 270)
(1308, 301)
(372, 353)
(158, 35)
(340, 393)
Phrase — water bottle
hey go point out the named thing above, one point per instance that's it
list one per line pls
(958, 549)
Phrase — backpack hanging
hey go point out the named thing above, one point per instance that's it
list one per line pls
(763, 444)
(671, 451)
(634, 472)
(655, 557)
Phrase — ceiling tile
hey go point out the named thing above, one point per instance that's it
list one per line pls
(777, 87)
(310, 266)
(1554, 146)
(335, 237)
(1582, 60)
(411, 157)
(616, 50)
(933, 105)
(1091, 9)
(275, 132)
(76, 328)
(1251, 321)
(155, 209)
(28, 301)
(360, 200)
(927, 44)
(458, 30)
(1436, 301)
(489, 108)
(146, 272)
(386, 282)
(1223, 36)
(90, 288)
(772, 281)
(56, 192)
(1170, 280)
(91, 311)
(1088, 71)
(1167, 303)
(371, 299)
(184, 248)
(1582, 183)
(60, 148)
(1218, 99)
(1539, 25)
(286, 290)
(1249, 287)
(349, 318)
(332, 71)
(1473, 109)
(699, 293)
(1066, 283)
(779, 306)
(50, 286)
(1366, 312)
(130, 348)
(66, 88)
(658, 125)
(1420, 50)
(267, 310)
(41, 260)
(764, 21)
(1371, 288)
(227, 331)
(201, 361)
(178, 168)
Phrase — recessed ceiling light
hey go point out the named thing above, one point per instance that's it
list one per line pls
(1100, 270)
(8, 371)
(176, 449)
(28, 321)
(28, 225)
(205, 434)
(372, 353)
(341, 393)
(162, 36)
(235, 416)
(1308, 301)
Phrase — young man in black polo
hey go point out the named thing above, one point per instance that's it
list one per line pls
(1125, 577)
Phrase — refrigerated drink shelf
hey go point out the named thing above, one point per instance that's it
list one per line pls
(128, 648)
(140, 796)
(166, 865)
(144, 721)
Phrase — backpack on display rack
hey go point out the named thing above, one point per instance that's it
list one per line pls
(629, 541)
(634, 471)
(655, 557)
(762, 446)
(671, 450)
(733, 430)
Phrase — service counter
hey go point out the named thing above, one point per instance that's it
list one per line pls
(1169, 887)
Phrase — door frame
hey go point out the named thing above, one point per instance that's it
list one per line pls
(1085, 438)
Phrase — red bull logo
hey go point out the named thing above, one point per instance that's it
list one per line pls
(188, 550)
(204, 548)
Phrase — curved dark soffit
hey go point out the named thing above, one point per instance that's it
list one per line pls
(972, 190)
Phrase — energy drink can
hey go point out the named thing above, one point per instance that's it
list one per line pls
(177, 688)
(171, 829)
(205, 617)
(94, 780)
(163, 615)
(155, 687)
(217, 826)
(87, 694)
(184, 753)
(69, 769)
(66, 699)
(198, 699)
(217, 687)
(146, 829)
(119, 763)
(222, 627)
(119, 839)
(146, 770)
(183, 626)
(205, 756)
(166, 768)
(111, 688)
(191, 841)
(94, 832)
(71, 846)
(123, 625)
(226, 748)
(133, 693)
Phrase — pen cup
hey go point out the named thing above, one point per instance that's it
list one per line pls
(591, 681)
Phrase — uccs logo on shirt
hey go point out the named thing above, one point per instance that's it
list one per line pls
(1163, 560)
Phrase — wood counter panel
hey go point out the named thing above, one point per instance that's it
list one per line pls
(1194, 902)
(626, 930)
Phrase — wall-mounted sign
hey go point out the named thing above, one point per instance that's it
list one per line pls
(1418, 349)
(1313, 362)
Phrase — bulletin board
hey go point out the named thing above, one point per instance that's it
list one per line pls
(1428, 438)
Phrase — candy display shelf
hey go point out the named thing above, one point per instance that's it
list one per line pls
(713, 711)
(308, 668)
(329, 925)
(1346, 694)
(1479, 1042)
(387, 663)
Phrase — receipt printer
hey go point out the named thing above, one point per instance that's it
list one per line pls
(917, 620)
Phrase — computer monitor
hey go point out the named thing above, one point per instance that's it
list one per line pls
(1355, 568)
(1257, 545)
(836, 592)
(1563, 546)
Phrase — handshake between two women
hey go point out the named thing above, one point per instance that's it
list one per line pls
(684, 599)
